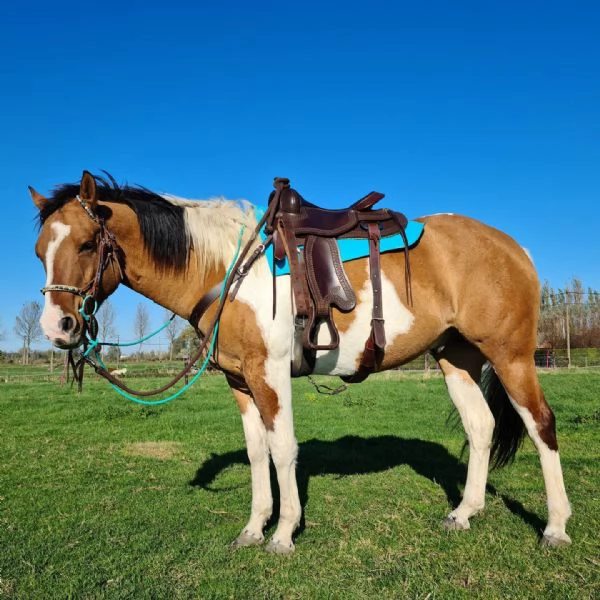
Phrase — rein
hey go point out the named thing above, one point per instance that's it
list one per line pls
(108, 247)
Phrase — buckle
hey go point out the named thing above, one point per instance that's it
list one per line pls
(300, 323)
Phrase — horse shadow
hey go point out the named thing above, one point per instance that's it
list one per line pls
(354, 455)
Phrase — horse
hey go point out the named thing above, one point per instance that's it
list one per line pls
(475, 306)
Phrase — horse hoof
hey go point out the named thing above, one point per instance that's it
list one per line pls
(451, 524)
(556, 541)
(246, 539)
(276, 547)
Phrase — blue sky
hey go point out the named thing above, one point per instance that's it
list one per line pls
(489, 109)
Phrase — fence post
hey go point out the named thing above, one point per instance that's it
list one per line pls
(568, 328)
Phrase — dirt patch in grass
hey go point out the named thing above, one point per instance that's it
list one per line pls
(158, 450)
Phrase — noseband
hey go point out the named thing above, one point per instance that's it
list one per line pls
(107, 252)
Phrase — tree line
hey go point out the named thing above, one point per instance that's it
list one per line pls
(569, 317)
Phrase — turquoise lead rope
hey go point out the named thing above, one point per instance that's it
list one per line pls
(94, 344)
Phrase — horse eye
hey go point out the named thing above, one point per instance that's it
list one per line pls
(87, 246)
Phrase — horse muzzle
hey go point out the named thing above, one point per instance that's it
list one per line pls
(66, 344)
(64, 330)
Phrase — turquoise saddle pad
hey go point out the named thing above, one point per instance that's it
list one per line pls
(351, 249)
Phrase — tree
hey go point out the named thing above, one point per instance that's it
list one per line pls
(106, 321)
(187, 342)
(140, 325)
(28, 328)
(2, 336)
(172, 331)
(570, 317)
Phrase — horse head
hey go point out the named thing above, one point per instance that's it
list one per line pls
(80, 257)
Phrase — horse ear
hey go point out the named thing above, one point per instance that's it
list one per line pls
(39, 200)
(87, 189)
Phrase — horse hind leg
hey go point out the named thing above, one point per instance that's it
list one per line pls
(520, 381)
(461, 364)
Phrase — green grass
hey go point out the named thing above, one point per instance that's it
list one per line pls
(101, 498)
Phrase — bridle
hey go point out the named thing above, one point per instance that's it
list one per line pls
(107, 254)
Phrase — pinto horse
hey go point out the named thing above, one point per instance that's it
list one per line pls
(475, 304)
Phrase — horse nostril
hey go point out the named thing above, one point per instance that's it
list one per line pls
(66, 324)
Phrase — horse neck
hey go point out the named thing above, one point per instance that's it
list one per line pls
(179, 292)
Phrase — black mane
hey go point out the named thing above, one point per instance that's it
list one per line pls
(162, 224)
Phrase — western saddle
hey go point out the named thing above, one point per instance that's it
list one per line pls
(306, 235)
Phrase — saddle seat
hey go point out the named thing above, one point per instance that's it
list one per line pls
(307, 234)
(307, 218)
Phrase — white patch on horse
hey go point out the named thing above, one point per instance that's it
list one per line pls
(52, 313)
(559, 509)
(214, 227)
(345, 359)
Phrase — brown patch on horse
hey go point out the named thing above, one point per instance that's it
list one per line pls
(358, 275)
(521, 383)
(546, 424)
(265, 397)
(241, 352)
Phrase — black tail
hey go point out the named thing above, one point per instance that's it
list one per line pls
(509, 428)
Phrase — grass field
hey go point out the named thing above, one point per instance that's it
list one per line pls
(102, 498)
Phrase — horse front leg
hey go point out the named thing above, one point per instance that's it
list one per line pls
(284, 451)
(258, 455)
(271, 387)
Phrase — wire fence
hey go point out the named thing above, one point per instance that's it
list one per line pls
(554, 359)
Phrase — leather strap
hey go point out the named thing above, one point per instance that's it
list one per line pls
(297, 270)
(375, 344)
(375, 273)
(367, 201)
(204, 303)
(402, 222)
